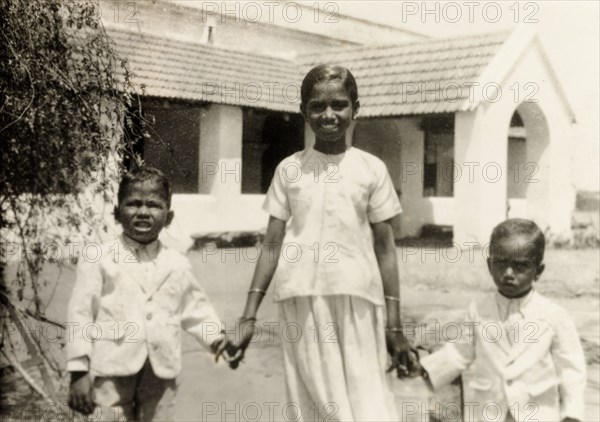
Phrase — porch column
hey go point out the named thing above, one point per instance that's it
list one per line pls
(561, 191)
(480, 188)
(220, 161)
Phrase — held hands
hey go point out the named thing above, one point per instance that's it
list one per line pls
(81, 393)
(404, 359)
(245, 329)
(223, 347)
(232, 352)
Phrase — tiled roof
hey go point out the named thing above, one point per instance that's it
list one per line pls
(198, 72)
(432, 76)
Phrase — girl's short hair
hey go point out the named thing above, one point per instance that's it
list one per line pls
(145, 174)
(521, 226)
(324, 73)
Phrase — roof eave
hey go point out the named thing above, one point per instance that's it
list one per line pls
(555, 79)
(509, 55)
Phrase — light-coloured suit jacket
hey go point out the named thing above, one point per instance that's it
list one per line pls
(531, 364)
(118, 315)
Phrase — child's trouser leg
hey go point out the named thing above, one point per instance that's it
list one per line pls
(114, 397)
(155, 397)
(139, 397)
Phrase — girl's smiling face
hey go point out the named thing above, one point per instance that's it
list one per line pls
(329, 111)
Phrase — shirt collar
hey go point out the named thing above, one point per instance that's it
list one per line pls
(507, 306)
(142, 251)
(330, 156)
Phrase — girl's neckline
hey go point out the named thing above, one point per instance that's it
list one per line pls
(329, 154)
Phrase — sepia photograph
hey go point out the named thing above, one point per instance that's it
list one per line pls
(265, 211)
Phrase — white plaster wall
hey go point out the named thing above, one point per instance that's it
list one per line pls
(467, 127)
(220, 149)
(399, 142)
(247, 26)
(550, 191)
(481, 139)
(418, 210)
(220, 205)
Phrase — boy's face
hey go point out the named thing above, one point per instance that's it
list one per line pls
(329, 111)
(143, 212)
(513, 265)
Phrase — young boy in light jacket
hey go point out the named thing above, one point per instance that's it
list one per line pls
(130, 301)
(520, 355)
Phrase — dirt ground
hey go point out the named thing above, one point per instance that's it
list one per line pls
(435, 283)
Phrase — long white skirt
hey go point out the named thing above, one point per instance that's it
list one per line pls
(335, 359)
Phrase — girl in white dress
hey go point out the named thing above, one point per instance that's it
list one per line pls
(329, 249)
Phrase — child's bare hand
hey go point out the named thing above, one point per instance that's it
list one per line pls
(415, 369)
(224, 348)
(400, 351)
(231, 350)
(81, 393)
(245, 331)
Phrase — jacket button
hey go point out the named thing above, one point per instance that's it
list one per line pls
(509, 382)
(149, 316)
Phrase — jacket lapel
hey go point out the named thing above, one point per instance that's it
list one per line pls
(490, 316)
(126, 258)
(534, 333)
(163, 270)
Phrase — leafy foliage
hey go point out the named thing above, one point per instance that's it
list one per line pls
(65, 98)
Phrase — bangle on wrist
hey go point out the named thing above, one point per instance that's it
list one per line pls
(261, 291)
(395, 299)
(394, 329)
(246, 319)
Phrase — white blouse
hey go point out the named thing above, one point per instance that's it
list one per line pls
(329, 202)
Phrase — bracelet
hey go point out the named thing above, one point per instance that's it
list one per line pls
(394, 329)
(395, 299)
(246, 319)
(261, 291)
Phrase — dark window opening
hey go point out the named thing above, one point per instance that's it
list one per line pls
(516, 121)
(438, 160)
(166, 135)
(518, 168)
(268, 137)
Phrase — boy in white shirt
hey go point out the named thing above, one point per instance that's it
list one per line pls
(521, 357)
(127, 309)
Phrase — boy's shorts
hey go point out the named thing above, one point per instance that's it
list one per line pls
(139, 397)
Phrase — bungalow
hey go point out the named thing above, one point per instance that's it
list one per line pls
(473, 129)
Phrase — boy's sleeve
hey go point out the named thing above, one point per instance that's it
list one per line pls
(569, 360)
(447, 363)
(276, 201)
(81, 311)
(383, 200)
(198, 316)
